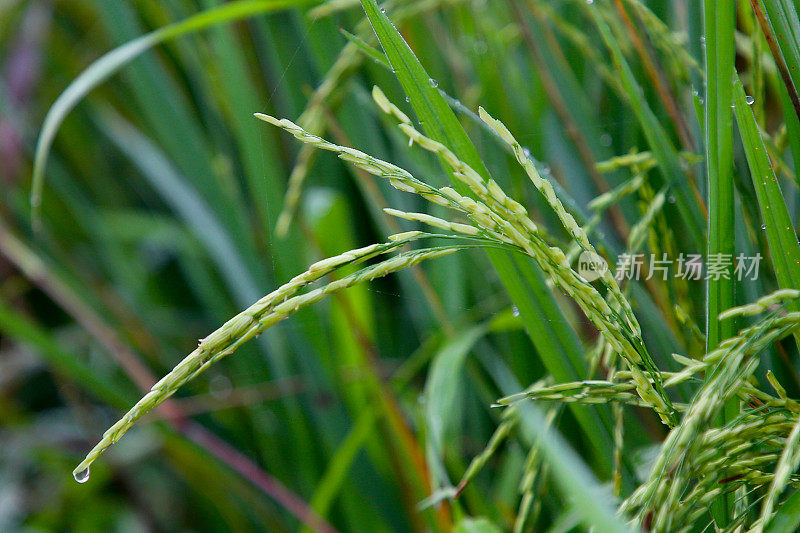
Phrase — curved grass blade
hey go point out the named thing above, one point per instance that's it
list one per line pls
(441, 398)
(112, 61)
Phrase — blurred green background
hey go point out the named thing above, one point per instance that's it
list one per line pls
(158, 223)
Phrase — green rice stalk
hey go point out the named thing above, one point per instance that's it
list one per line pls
(641, 229)
(265, 313)
(669, 478)
(788, 463)
(534, 470)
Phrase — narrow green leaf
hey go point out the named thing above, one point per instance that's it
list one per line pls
(720, 22)
(369, 50)
(107, 65)
(441, 397)
(781, 236)
(787, 517)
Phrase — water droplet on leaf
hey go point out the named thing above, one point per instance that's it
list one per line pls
(763, 226)
(514, 310)
(82, 476)
(433, 82)
(749, 99)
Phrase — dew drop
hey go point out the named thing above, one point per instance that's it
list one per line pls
(514, 310)
(82, 476)
(696, 94)
(527, 153)
(763, 226)
(590, 2)
(671, 199)
(433, 82)
(749, 99)
(703, 39)
(383, 10)
(408, 99)
(605, 140)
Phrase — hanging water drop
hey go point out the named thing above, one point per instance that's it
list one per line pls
(514, 310)
(749, 99)
(82, 476)
(433, 82)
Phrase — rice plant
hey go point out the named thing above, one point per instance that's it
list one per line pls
(550, 280)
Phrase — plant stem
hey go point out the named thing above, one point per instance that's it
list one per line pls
(720, 23)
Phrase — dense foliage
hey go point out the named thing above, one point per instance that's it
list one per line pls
(513, 265)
